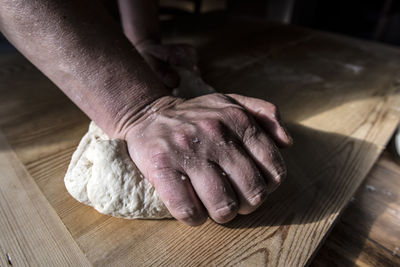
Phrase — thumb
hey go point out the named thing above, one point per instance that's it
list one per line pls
(267, 115)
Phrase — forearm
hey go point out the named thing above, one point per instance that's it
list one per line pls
(140, 20)
(84, 53)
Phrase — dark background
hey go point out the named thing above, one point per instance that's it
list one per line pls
(376, 20)
(370, 19)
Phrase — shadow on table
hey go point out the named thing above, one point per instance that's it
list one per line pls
(324, 170)
(374, 201)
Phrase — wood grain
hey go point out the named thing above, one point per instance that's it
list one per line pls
(339, 96)
(31, 233)
(368, 231)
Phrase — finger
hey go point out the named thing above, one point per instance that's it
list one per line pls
(178, 196)
(266, 155)
(214, 191)
(245, 178)
(267, 115)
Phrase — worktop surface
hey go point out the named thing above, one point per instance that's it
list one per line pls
(338, 96)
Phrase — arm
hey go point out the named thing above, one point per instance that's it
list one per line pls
(85, 54)
(212, 155)
(140, 21)
(141, 25)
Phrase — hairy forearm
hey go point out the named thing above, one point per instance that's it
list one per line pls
(140, 20)
(84, 53)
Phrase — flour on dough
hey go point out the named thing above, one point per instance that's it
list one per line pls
(102, 175)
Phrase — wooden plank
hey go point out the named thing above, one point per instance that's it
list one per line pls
(339, 96)
(31, 233)
(368, 232)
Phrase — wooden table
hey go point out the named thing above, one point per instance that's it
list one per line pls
(368, 231)
(339, 96)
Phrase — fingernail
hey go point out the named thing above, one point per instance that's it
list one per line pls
(287, 135)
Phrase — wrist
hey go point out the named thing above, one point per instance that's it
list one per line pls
(118, 121)
(134, 122)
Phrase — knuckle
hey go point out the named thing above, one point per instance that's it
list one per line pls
(235, 111)
(158, 156)
(250, 133)
(212, 126)
(273, 155)
(182, 140)
(226, 212)
(161, 175)
(237, 115)
(270, 156)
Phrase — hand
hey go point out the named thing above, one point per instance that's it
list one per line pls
(161, 58)
(212, 154)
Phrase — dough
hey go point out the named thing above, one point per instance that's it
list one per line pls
(102, 175)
